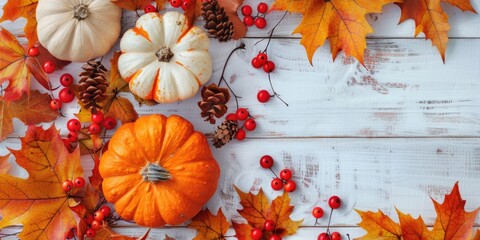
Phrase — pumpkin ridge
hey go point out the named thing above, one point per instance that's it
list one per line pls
(155, 85)
(190, 71)
(140, 31)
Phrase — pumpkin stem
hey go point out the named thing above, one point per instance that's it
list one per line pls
(164, 54)
(155, 173)
(81, 12)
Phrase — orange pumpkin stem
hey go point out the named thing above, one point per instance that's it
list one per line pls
(155, 173)
(164, 54)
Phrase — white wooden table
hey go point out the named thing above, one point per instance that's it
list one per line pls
(406, 128)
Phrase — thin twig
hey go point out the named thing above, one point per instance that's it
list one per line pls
(275, 94)
(222, 77)
(270, 33)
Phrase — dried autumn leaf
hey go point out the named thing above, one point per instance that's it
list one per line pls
(106, 233)
(208, 226)
(30, 110)
(430, 19)
(4, 164)
(14, 9)
(256, 210)
(132, 5)
(39, 203)
(343, 22)
(230, 6)
(169, 238)
(452, 222)
(16, 68)
(477, 235)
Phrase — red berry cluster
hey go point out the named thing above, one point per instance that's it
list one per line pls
(48, 66)
(180, 3)
(95, 221)
(284, 180)
(249, 123)
(68, 185)
(268, 226)
(259, 19)
(334, 202)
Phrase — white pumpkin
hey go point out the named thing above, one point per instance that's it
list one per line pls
(164, 59)
(78, 30)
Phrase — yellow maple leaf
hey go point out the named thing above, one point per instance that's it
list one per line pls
(342, 22)
(209, 226)
(377, 224)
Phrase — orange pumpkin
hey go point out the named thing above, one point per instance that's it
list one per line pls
(158, 171)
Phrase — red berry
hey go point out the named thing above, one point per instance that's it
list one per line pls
(262, 58)
(323, 236)
(74, 125)
(105, 210)
(246, 10)
(71, 234)
(263, 96)
(231, 117)
(317, 212)
(66, 80)
(256, 234)
(67, 186)
(176, 3)
(336, 236)
(269, 67)
(97, 117)
(290, 186)
(242, 114)
(49, 67)
(109, 123)
(66, 95)
(96, 225)
(266, 161)
(94, 128)
(250, 124)
(186, 4)
(99, 216)
(79, 182)
(277, 184)
(241, 134)
(286, 174)
(91, 233)
(334, 202)
(260, 22)
(72, 136)
(149, 8)
(89, 219)
(33, 52)
(256, 63)
(269, 225)
(55, 104)
(248, 21)
(262, 7)
(275, 237)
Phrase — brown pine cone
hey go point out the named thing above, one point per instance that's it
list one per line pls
(216, 21)
(224, 133)
(93, 85)
(213, 104)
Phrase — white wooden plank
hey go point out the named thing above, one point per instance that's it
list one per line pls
(406, 91)
(463, 25)
(368, 174)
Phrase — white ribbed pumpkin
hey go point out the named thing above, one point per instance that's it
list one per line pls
(164, 59)
(78, 30)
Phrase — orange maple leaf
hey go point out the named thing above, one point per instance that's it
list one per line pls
(39, 203)
(15, 9)
(209, 226)
(4, 165)
(256, 210)
(133, 5)
(106, 233)
(33, 109)
(430, 19)
(452, 222)
(343, 22)
(477, 235)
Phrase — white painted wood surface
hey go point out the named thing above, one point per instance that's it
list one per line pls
(406, 128)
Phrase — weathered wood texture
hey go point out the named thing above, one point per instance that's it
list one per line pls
(392, 134)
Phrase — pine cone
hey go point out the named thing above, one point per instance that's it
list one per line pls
(213, 104)
(225, 133)
(216, 21)
(92, 85)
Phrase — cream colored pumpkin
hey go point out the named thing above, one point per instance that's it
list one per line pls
(164, 59)
(78, 30)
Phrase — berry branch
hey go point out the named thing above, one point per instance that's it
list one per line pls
(222, 77)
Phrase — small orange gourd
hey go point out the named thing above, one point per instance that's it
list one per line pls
(158, 171)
